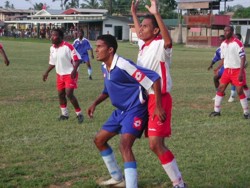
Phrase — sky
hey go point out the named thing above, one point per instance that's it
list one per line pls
(26, 4)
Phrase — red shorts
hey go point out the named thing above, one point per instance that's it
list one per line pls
(65, 81)
(155, 127)
(231, 76)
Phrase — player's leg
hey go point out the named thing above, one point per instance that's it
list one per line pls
(62, 98)
(233, 94)
(89, 69)
(157, 131)
(130, 165)
(217, 77)
(246, 91)
(239, 87)
(109, 130)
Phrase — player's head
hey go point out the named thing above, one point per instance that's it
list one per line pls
(238, 36)
(80, 33)
(57, 36)
(106, 46)
(228, 31)
(149, 28)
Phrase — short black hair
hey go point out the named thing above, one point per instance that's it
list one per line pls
(153, 19)
(222, 36)
(110, 40)
(60, 32)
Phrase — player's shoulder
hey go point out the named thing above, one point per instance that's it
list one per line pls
(68, 45)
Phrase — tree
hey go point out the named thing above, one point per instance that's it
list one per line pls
(90, 4)
(242, 13)
(71, 4)
(8, 5)
(38, 6)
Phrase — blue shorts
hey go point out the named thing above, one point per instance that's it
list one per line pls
(132, 122)
(84, 59)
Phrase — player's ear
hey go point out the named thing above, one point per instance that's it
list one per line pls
(111, 50)
(156, 30)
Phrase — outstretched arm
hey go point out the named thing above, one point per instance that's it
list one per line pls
(46, 74)
(153, 9)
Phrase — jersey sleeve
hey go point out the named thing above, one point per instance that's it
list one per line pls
(1, 46)
(217, 56)
(52, 60)
(143, 76)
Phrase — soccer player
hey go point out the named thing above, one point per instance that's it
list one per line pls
(65, 59)
(82, 46)
(233, 57)
(219, 70)
(124, 84)
(155, 54)
(4, 56)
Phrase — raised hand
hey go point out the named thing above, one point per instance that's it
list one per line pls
(153, 9)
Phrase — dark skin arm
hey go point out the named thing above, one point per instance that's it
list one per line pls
(46, 74)
(99, 100)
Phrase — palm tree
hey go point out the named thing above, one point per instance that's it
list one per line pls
(90, 4)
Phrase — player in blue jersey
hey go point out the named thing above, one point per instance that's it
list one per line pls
(82, 46)
(125, 84)
(219, 70)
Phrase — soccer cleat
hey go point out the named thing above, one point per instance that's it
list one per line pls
(231, 99)
(80, 118)
(247, 116)
(248, 98)
(178, 186)
(62, 118)
(112, 182)
(213, 114)
(90, 77)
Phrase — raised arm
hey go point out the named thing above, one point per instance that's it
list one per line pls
(134, 6)
(153, 9)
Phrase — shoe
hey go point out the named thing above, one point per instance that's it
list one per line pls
(231, 99)
(213, 114)
(90, 77)
(62, 118)
(248, 98)
(178, 186)
(111, 181)
(247, 116)
(80, 118)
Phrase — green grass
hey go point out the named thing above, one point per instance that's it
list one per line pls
(38, 151)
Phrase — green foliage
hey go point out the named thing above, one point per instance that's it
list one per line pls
(90, 4)
(242, 13)
(38, 151)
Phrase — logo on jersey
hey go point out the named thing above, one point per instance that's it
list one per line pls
(138, 75)
(137, 123)
(104, 75)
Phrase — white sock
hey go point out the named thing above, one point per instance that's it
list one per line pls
(244, 104)
(89, 71)
(64, 111)
(233, 93)
(173, 173)
(130, 171)
(247, 92)
(111, 164)
(217, 103)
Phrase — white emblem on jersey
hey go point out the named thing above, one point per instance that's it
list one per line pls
(138, 76)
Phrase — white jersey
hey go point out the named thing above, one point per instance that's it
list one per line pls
(232, 52)
(63, 57)
(155, 57)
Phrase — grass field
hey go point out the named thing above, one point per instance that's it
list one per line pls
(38, 151)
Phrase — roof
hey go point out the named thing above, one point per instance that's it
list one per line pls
(121, 18)
(84, 11)
(11, 10)
(49, 12)
(194, 1)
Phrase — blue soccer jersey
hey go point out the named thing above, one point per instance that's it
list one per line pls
(217, 56)
(126, 82)
(82, 47)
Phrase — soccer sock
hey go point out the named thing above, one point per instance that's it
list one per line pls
(130, 170)
(89, 71)
(78, 111)
(64, 110)
(217, 101)
(171, 168)
(111, 164)
(244, 103)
